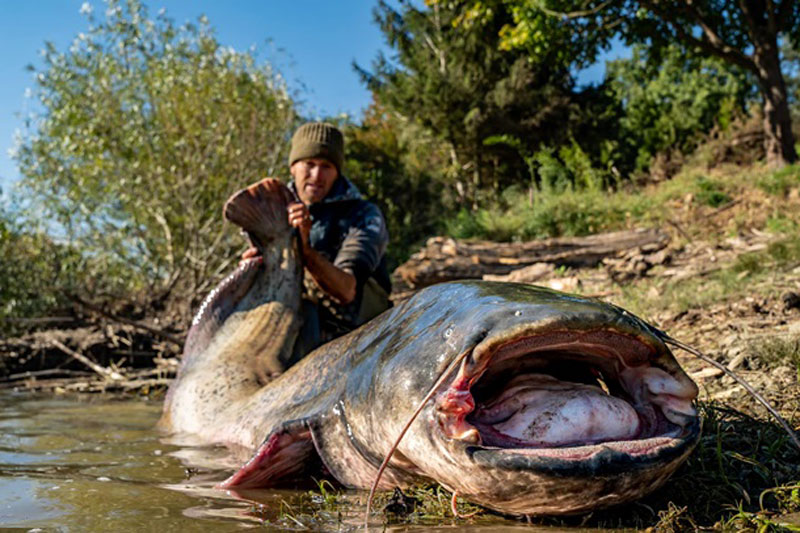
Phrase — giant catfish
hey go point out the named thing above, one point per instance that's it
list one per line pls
(558, 404)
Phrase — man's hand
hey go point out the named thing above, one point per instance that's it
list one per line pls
(338, 283)
(249, 254)
(300, 218)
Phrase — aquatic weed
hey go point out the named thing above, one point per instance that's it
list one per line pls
(326, 495)
(673, 520)
(429, 504)
(320, 509)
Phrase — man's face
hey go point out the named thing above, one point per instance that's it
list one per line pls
(313, 178)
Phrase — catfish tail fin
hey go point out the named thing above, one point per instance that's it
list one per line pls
(260, 210)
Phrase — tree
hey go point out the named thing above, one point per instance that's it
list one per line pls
(451, 76)
(400, 166)
(145, 128)
(745, 33)
(669, 102)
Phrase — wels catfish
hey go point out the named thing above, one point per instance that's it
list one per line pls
(541, 402)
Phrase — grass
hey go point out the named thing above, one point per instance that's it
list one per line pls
(781, 182)
(710, 192)
(749, 275)
(330, 508)
(744, 475)
(522, 215)
(568, 213)
(778, 351)
(323, 508)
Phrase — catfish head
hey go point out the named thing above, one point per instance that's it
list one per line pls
(557, 404)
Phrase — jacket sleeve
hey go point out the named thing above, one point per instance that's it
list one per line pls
(364, 243)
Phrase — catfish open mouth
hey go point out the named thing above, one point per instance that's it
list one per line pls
(567, 393)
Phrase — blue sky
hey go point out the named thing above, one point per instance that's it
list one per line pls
(312, 42)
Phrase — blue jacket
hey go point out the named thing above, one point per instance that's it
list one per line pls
(351, 233)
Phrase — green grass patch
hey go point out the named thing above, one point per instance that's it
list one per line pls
(678, 296)
(750, 263)
(786, 251)
(778, 350)
(520, 216)
(710, 192)
(569, 211)
(780, 182)
(780, 223)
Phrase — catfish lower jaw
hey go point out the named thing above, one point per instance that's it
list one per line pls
(568, 395)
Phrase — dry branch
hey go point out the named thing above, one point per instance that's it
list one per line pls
(105, 372)
(150, 329)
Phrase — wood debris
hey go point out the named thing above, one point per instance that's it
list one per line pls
(446, 259)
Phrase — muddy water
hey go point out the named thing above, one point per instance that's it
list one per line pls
(97, 464)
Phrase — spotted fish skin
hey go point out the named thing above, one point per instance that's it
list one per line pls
(242, 336)
(345, 404)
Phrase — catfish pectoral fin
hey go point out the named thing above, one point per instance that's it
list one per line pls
(260, 210)
(352, 463)
(283, 455)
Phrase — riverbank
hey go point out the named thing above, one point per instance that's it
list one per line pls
(727, 281)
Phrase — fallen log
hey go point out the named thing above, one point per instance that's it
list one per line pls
(446, 259)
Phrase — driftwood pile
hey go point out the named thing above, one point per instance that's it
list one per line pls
(91, 354)
(444, 259)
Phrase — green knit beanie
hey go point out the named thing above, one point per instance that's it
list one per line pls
(318, 139)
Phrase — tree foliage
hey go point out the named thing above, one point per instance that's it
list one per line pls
(671, 100)
(144, 128)
(451, 76)
(494, 80)
(402, 167)
(745, 34)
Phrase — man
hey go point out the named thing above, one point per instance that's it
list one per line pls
(343, 240)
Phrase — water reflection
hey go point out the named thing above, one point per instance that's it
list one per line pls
(94, 463)
(91, 464)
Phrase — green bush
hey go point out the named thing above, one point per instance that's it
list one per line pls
(144, 129)
(395, 165)
(670, 102)
(31, 272)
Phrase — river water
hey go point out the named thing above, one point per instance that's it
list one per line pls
(96, 463)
